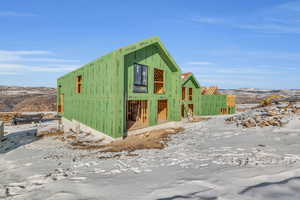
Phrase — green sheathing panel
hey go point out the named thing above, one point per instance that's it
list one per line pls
(232, 110)
(99, 106)
(191, 82)
(153, 56)
(212, 104)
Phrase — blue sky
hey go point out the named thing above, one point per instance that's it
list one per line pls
(232, 43)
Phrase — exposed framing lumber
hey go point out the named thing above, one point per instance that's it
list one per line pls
(159, 81)
(137, 114)
(162, 110)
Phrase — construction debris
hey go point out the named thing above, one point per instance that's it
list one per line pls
(27, 119)
(269, 116)
(7, 117)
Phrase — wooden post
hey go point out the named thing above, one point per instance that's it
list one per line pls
(1, 130)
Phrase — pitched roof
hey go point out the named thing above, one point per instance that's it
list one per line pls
(137, 46)
(186, 75)
(147, 42)
(189, 76)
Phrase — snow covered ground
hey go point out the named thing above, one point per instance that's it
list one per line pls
(209, 160)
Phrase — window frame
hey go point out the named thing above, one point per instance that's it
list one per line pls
(190, 97)
(79, 84)
(164, 81)
(143, 68)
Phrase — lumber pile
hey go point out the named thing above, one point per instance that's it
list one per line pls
(210, 90)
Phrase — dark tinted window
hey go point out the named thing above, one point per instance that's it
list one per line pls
(140, 78)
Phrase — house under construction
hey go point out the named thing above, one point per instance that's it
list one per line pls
(136, 86)
(191, 95)
(215, 103)
(133, 87)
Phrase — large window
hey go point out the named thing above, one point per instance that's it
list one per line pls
(140, 83)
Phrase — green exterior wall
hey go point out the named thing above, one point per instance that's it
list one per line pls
(212, 104)
(99, 106)
(107, 85)
(191, 82)
(152, 57)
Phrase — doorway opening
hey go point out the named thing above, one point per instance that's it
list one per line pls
(191, 109)
(162, 110)
(137, 114)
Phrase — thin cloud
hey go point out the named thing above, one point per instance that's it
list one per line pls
(62, 68)
(199, 63)
(208, 20)
(27, 56)
(15, 14)
(280, 19)
(26, 52)
(8, 73)
(292, 6)
(54, 60)
(15, 68)
(271, 28)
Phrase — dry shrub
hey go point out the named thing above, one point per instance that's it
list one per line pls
(7, 116)
(156, 139)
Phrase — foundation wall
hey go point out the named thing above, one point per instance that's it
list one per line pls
(77, 127)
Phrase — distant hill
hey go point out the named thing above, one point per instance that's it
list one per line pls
(27, 99)
(252, 95)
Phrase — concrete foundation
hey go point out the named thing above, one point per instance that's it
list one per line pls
(77, 127)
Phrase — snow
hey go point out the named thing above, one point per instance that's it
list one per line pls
(210, 160)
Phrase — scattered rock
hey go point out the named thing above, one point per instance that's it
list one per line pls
(262, 117)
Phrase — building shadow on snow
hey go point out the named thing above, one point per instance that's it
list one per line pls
(17, 139)
(266, 184)
(194, 195)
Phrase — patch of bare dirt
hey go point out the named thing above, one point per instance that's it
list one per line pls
(156, 139)
(49, 133)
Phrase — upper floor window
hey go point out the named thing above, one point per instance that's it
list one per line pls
(79, 84)
(190, 94)
(159, 84)
(183, 93)
(140, 83)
